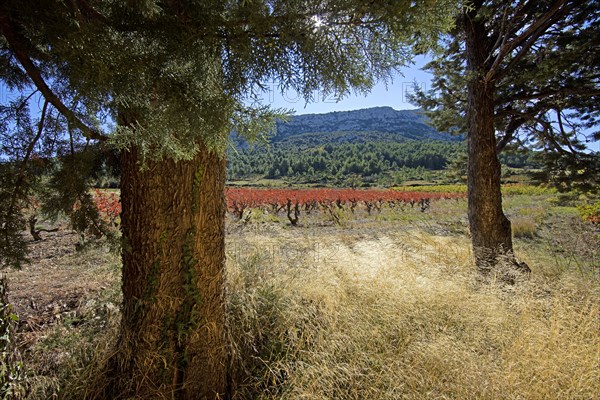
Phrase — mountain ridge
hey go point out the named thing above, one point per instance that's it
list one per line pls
(393, 124)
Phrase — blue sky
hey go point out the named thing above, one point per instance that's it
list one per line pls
(393, 96)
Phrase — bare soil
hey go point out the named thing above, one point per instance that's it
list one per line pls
(56, 284)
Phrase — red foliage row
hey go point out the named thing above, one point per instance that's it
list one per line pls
(241, 199)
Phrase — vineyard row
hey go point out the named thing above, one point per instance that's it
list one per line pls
(240, 201)
(331, 201)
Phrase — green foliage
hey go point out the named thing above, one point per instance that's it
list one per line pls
(527, 190)
(590, 212)
(21, 168)
(546, 86)
(12, 246)
(13, 379)
(385, 148)
(336, 162)
(67, 194)
(507, 189)
(457, 167)
(188, 319)
(567, 173)
(455, 188)
(32, 148)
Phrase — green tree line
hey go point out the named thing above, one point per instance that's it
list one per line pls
(334, 161)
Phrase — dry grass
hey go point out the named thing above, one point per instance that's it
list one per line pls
(403, 317)
(67, 302)
(523, 227)
(387, 307)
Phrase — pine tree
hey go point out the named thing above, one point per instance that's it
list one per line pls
(523, 73)
(175, 75)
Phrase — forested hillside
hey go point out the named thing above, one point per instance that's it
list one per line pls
(335, 162)
(376, 146)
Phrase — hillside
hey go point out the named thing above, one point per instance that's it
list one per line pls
(366, 125)
(375, 146)
(380, 146)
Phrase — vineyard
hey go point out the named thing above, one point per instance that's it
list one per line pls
(294, 202)
(330, 201)
(241, 201)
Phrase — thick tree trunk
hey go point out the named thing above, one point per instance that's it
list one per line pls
(490, 229)
(172, 343)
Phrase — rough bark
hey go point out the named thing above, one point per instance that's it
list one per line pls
(491, 234)
(172, 342)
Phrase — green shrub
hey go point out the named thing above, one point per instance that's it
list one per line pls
(510, 189)
(449, 188)
(590, 212)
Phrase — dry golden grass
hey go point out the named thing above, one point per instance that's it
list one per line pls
(403, 316)
(388, 306)
(523, 227)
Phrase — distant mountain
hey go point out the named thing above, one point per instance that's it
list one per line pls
(376, 146)
(366, 125)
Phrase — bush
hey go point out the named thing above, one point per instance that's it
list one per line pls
(450, 188)
(590, 212)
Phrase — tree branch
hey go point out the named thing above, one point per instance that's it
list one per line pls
(24, 102)
(531, 41)
(502, 37)
(563, 133)
(20, 51)
(547, 134)
(23, 166)
(90, 12)
(551, 93)
(509, 134)
(534, 31)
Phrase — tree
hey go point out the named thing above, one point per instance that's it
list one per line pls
(174, 76)
(532, 77)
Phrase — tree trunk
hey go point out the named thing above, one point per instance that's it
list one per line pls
(172, 342)
(491, 234)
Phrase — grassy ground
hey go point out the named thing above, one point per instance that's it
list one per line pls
(382, 306)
